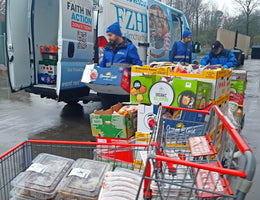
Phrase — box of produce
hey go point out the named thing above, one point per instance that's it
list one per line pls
(117, 122)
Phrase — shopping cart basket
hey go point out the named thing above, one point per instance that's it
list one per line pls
(180, 166)
(20, 157)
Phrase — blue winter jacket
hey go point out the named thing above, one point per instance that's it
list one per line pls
(226, 58)
(180, 52)
(125, 53)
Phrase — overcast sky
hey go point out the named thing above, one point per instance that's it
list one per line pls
(227, 6)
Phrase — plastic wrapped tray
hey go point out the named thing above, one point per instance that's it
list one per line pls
(41, 179)
(85, 179)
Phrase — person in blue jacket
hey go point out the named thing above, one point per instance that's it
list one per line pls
(120, 52)
(219, 56)
(181, 50)
(119, 49)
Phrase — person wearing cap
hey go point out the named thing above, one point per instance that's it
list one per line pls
(181, 50)
(119, 49)
(219, 56)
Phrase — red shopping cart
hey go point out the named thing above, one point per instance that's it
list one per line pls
(217, 163)
(20, 157)
(187, 159)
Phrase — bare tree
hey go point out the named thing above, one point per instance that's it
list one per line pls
(248, 7)
(2, 7)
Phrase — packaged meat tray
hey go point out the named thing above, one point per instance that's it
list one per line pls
(121, 184)
(41, 179)
(84, 181)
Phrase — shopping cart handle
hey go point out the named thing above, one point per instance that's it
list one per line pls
(172, 169)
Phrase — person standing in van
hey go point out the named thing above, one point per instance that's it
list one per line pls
(119, 49)
(121, 52)
(181, 50)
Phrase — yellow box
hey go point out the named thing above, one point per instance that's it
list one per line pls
(221, 100)
(141, 70)
(207, 74)
(146, 69)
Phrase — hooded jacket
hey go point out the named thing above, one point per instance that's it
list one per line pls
(226, 58)
(125, 53)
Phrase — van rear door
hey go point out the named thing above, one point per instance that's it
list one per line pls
(18, 44)
(75, 42)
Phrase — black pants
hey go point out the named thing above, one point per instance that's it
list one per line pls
(109, 100)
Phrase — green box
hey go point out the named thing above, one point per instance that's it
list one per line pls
(106, 124)
(140, 86)
(168, 90)
(192, 94)
(237, 87)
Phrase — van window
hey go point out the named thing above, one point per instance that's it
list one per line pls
(176, 27)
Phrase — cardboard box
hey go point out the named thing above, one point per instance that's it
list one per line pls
(106, 124)
(45, 78)
(109, 80)
(47, 67)
(238, 86)
(140, 87)
(170, 91)
(238, 98)
(191, 94)
(239, 75)
(143, 139)
(216, 77)
(145, 114)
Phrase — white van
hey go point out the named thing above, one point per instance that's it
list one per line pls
(49, 42)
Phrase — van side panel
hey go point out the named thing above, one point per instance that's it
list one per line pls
(166, 26)
(132, 17)
(75, 42)
(18, 62)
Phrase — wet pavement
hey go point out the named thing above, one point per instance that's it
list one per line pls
(26, 116)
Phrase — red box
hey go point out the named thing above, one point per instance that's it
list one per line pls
(126, 80)
(238, 98)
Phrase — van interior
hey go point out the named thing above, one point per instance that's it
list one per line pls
(45, 23)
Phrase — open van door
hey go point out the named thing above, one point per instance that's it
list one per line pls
(21, 74)
(76, 44)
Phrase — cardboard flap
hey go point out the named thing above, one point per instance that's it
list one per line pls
(109, 111)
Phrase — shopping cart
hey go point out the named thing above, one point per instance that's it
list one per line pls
(199, 162)
(215, 163)
(20, 157)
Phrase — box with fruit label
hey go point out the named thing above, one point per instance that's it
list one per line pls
(109, 80)
(120, 121)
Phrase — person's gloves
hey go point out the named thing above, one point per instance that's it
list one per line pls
(225, 66)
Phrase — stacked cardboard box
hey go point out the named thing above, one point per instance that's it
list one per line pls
(238, 86)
